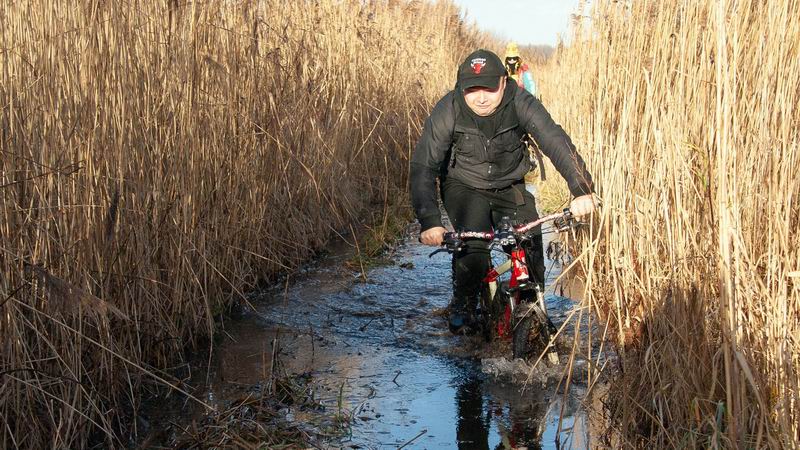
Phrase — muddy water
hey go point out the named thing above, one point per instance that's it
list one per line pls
(379, 352)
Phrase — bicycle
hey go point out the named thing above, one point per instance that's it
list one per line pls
(504, 311)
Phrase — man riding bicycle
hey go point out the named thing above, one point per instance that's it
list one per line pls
(474, 143)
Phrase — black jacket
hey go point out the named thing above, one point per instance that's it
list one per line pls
(451, 145)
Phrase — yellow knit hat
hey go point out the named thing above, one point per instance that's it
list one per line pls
(512, 50)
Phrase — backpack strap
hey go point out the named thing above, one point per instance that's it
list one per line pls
(454, 134)
(533, 147)
(534, 151)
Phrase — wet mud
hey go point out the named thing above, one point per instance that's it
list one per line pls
(379, 356)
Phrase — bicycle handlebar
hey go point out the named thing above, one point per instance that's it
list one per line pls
(454, 240)
(517, 230)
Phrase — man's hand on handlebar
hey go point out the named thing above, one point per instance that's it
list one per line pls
(582, 206)
(433, 236)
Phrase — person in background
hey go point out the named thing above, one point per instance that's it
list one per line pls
(519, 71)
(472, 143)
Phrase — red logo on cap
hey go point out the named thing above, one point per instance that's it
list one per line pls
(477, 64)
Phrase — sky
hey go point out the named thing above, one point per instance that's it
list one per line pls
(524, 21)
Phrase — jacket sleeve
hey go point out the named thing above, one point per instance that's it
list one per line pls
(554, 143)
(427, 162)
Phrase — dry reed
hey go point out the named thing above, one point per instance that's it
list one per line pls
(159, 158)
(689, 113)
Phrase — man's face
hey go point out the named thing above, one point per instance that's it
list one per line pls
(484, 101)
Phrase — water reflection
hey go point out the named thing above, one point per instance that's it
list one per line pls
(497, 418)
(472, 429)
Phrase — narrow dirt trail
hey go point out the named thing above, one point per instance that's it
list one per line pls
(379, 353)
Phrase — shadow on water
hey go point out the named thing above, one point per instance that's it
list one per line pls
(379, 353)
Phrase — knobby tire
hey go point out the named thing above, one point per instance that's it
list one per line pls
(531, 335)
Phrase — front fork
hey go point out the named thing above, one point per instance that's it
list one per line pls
(520, 277)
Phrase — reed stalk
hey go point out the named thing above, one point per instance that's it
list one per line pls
(688, 111)
(160, 158)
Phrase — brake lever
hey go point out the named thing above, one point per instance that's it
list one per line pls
(439, 250)
(449, 246)
(568, 222)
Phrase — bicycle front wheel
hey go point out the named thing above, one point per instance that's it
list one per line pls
(531, 335)
(521, 340)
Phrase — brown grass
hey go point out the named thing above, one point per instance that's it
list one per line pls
(160, 158)
(689, 113)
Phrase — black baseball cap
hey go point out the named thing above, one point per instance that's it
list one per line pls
(481, 68)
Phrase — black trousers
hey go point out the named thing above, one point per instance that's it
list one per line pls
(471, 209)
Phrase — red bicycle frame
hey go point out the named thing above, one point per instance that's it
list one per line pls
(519, 276)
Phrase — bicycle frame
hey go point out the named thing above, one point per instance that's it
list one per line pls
(520, 276)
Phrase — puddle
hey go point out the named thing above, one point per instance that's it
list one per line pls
(379, 353)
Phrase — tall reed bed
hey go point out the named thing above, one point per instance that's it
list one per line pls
(159, 158)
(689, 110)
